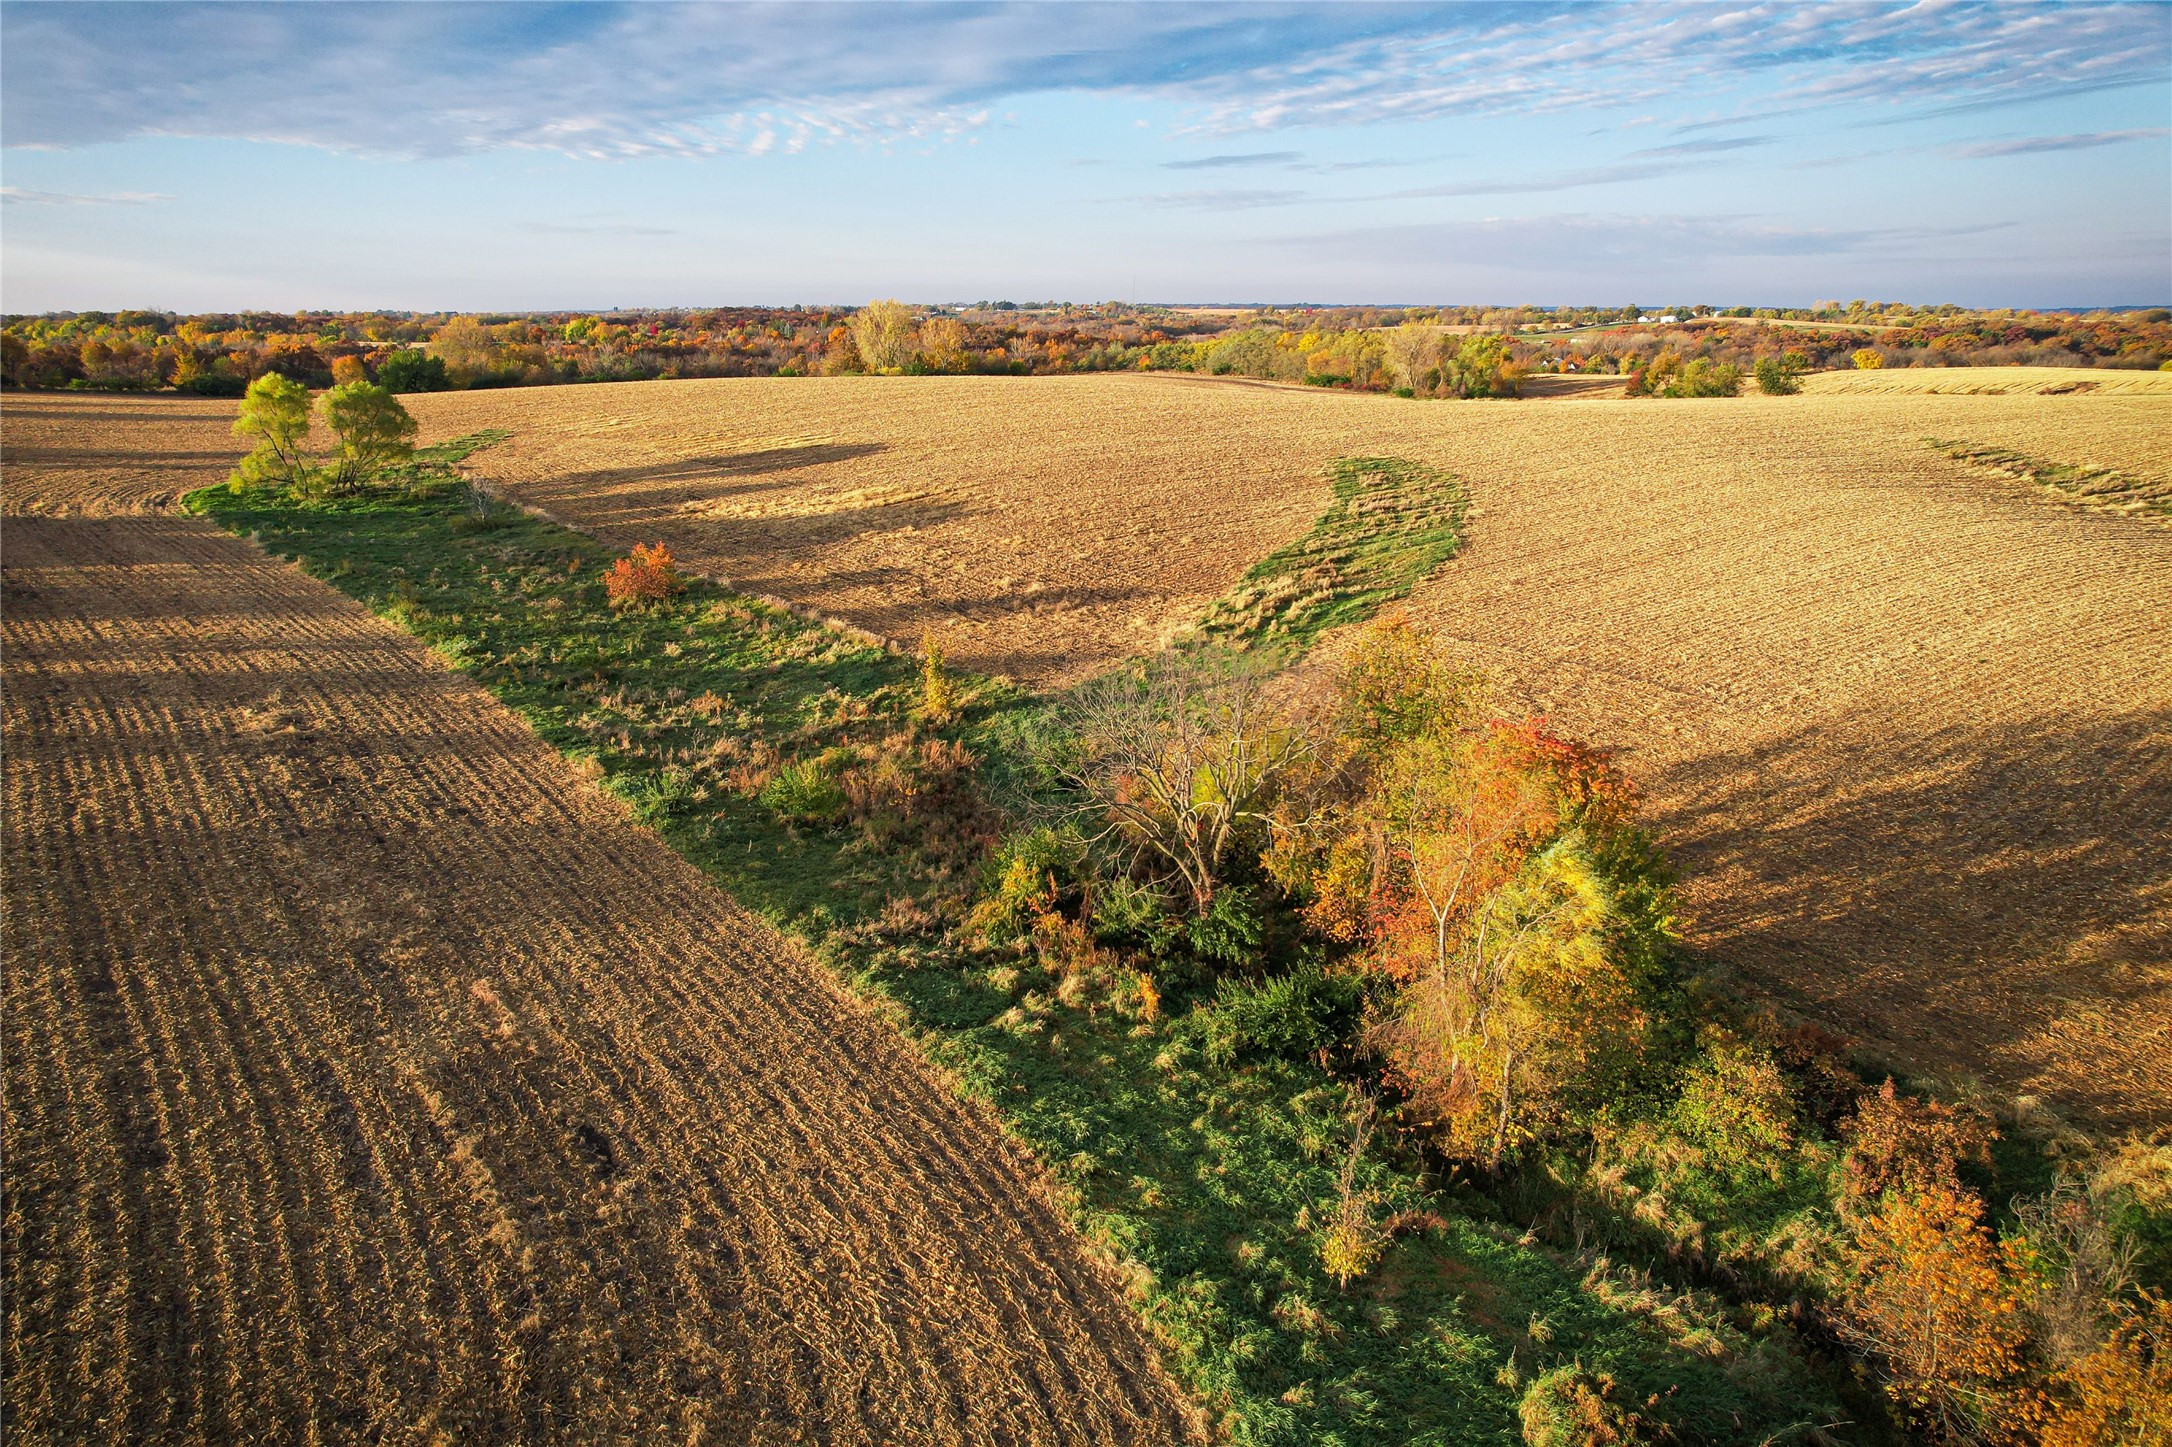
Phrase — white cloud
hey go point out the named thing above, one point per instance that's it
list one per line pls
(2033, 144)
(1246, 158)
(18, 196)
(659, 79)
(1222, 200)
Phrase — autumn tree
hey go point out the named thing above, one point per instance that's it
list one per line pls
(1491, 874)
(466, 347)
(274, 411)
(1944, 1307)
(1898, 1143)
(883, 334)
(1412, 353)
(372, 429)
(943, 344)
(1481, 367)
(14, 360)
(1868, 360)
(2120, 1393)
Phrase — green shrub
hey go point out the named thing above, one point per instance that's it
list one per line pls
(1135, 916)
(1024, 877)
(1288, 1017)
(213, 384)
(1568, 1406)
(1230, 932)
(653, 797)
(410, 371)
(1775, 378)
(1704, 378)
(1736, 1108)
(806, 792)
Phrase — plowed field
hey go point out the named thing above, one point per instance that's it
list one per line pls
(1991, 381)
(369, 1078)
(1907, 722)
(111, 453)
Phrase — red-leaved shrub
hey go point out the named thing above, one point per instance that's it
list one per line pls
(651, 575)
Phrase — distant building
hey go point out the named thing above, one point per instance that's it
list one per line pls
(1669, 317)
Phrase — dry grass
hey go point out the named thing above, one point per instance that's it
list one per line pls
(1908, 724)
(334, 1114)
(1990, 382)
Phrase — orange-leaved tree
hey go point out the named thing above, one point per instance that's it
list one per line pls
(650, 575)
(1899, 1143)
(1945, 1307)
(2119, 1395)
(1492, 872)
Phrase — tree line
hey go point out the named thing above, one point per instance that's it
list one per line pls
(1419, 351)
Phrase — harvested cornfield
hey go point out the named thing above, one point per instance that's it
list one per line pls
(103, 453)
(1907, 722)
(1990, 382)
(368, 1077)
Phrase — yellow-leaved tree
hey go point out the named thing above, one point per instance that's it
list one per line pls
(882, 332)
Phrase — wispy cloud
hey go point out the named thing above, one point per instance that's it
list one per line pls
(1335, 168)
(1231, 200)
(601, 228)
(1559, 181)
(458, 78)
(17, 196)
(1611, 242)
(1706, 148)
(1243, 158)
(2033, 144)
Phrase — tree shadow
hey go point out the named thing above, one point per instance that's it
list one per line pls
(685, 470)
(1994, 899)
(110, 459)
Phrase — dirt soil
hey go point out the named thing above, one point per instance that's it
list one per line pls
(1991, 381)
(1906, 723)
(104, 453)
(370, 1078)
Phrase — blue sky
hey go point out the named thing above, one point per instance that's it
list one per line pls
(512, 156)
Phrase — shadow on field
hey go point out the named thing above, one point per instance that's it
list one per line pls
(1974, 897)
(155, 407)
(102, 459)
(723, 465)
(787, 536)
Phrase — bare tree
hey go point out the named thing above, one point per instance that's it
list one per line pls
(1413, 349)
(1176, 760)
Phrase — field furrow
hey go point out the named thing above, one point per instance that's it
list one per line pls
(369, 1077)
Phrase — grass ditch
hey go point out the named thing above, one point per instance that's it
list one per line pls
(1390, 524)
(2098, 487)
(784, 759)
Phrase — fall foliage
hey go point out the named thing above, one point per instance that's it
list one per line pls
(649, 575)
(1945, 1307)
(2120, 1394)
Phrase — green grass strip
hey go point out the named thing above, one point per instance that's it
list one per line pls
(1392, 522)
(1208, 1184)
(2099, 487)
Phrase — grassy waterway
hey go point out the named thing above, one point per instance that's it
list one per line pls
(1205, 1183)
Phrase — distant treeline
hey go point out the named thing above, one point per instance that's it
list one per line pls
(1420, 350)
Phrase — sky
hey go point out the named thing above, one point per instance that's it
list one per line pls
(521, 156)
